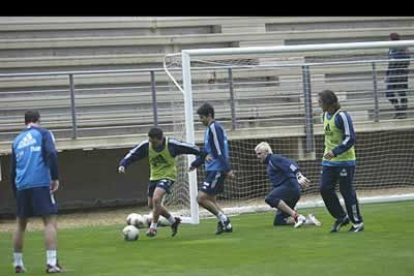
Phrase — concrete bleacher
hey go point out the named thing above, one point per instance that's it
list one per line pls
(48, 44)
(101, 42)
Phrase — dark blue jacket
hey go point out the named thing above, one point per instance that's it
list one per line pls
(281, 170)
(215, 145)
(397, 67)
(174, 146)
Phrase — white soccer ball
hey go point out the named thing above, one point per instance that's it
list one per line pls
(141, 222)
(131, 233)
(137, 220)
(161, 220)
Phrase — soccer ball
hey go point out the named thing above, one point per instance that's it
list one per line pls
(161, 220)
(137, 220)
(131, 233)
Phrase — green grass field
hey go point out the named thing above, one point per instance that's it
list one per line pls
(254, 248)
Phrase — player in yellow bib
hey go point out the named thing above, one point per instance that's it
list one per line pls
(161, 152)
(338, 164)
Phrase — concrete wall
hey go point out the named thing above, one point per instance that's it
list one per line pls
(90, 180)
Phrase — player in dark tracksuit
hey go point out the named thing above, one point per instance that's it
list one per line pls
(217, 167)
(286, 181)
(35, 178)
(397, 78)
(338, 164)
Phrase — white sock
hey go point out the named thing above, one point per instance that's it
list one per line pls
(51, 257)
(18, 259)
(171, 219)
(222, 217)
(154, 225)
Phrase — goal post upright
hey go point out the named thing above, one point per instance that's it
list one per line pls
(189, 124)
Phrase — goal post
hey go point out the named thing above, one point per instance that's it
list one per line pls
(189, 124)
(294, 90)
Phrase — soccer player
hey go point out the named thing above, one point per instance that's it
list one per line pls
(338, 163)
(217, 167)
(35, 179)
(286, 180)
(161, 152)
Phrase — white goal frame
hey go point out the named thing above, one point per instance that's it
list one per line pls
(188, 55)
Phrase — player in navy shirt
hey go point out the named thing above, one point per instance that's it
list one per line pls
(217, 167)
(35, 179)
(286, 182)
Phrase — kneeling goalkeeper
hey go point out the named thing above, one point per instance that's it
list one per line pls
(286, 180)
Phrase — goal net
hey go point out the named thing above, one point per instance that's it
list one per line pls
(270, 94)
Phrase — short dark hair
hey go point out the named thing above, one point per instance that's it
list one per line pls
(31, 116)
(329, 98)
(205, 110)
(394, 36)
(155, 133)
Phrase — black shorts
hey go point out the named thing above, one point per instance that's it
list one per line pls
(34, 202)
(213, 183)
(162, 183)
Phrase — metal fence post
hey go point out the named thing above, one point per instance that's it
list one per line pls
(232, 103)
(307, 96)
(154, 99)
(376, 101)
(73, 107)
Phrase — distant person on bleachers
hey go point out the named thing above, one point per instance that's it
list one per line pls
(397, 78)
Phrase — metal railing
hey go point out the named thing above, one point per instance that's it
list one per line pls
(275, 99)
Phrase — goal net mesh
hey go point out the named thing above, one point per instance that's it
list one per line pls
(261, 98)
